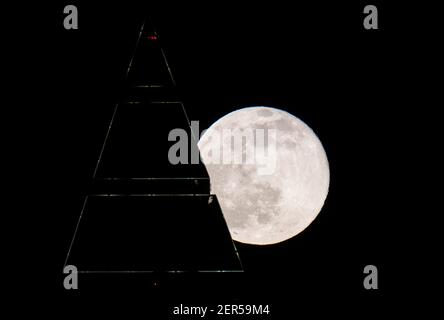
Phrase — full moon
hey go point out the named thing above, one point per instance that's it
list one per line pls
(276, 195)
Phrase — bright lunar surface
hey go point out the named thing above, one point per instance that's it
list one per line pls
(266, 202)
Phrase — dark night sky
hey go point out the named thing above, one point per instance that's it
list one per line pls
(313, 60)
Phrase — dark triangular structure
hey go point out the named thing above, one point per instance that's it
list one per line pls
(144, 214)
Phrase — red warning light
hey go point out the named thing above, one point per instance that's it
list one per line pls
(152, 37)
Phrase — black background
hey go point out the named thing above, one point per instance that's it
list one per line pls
(315, 60)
